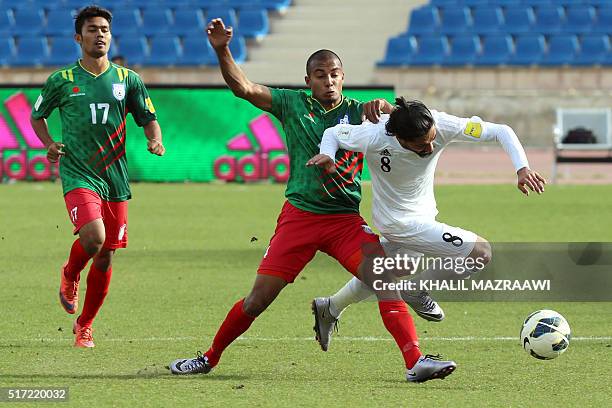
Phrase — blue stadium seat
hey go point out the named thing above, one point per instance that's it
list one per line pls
(113, 5)
(64, 50)
(529, 50)
(197, 51)
(253, 22)
(506, 3)
(455, 20)
(487, 20)
(16, 4)
(540, 3)
(178, 4)
(549, 20)
(579, 19)
(31, 51)
(496, 50)
(127, 22)
(28, 21)
(562, 50)
(239, 4)
(473, 3)
(276, 5)
(518, 20)
(604, 21)
(188, 22)
(228, 16)
(6, 21)
(60, 22)
(165, 50)
(7, 50)
(134, 48)
(424, 20)
(443, 3)
(399, 51)
(431, 50)
(156, 21)
(464, 50)
(594, 48)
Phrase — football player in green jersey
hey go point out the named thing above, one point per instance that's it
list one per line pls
(94, 97)
(322, 210)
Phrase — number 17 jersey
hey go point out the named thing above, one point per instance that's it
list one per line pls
(93, 110)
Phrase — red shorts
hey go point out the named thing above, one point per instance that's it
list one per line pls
(300, 234)
(84, 206)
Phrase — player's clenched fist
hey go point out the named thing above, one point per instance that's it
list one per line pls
(323, 161)
(218, 35)
(54, 151)
(156, 147)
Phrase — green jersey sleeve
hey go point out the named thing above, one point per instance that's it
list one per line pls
(279, 102)
(48, 99)
(139, 102)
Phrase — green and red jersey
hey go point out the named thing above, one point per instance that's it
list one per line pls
(93, 110)
(310, 188)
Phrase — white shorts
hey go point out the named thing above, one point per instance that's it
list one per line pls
(431, 238)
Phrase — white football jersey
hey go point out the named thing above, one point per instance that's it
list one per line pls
(402, 181)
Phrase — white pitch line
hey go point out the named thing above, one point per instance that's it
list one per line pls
(294, 339)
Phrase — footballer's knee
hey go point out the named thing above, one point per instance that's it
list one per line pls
(482, 251)
(92, 236)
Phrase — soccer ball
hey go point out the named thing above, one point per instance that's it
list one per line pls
(545, 334)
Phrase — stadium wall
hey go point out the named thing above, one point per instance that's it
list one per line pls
(209, 135)
(524, 98)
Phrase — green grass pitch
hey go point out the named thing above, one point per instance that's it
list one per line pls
(191, 256)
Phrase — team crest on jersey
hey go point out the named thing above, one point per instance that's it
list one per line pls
(119, 91)
(344, 120)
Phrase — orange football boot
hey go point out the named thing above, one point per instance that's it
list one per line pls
(68, 293)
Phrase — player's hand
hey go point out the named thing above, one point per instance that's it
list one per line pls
(54, 151)
(156, 147)
(324, 161)
(530, 180)
(218, 35)
(373, 109)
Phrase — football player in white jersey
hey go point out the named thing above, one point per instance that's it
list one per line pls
(402, 151)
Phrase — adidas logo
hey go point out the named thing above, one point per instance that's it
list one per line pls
(258, 165)
(23, 157)
(385, 152)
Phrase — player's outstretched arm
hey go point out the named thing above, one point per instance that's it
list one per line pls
(220, 37)
(154, 138)
(54, 149)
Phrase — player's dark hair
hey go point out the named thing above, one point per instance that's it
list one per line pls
(89, 12)
(409, 120)
(319, 56)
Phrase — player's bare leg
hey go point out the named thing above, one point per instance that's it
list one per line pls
(89, 243)
(265, 289)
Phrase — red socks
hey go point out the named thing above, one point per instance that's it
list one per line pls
(236, 322)
(97, 288)
(76, 262)
(399, 323)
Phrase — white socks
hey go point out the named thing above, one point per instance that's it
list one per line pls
(353, 292)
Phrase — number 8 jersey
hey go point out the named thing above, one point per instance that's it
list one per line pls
(403, 181)
(93, 110)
